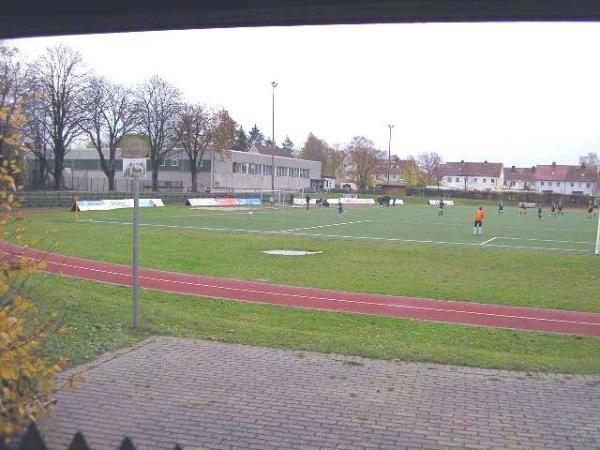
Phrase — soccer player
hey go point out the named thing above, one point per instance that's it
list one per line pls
(500, 207)
(307, 201)
(560, 207)
(340, 207)
(479, 217)
(590, 210)
(441, 205)
(540, 211)
(523, 211)
(553, 209)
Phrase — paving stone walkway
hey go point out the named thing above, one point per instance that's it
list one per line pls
(209, 395)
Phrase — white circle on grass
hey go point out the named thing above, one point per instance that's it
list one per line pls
(282, 252)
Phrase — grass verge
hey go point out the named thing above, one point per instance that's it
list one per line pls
(98, 317)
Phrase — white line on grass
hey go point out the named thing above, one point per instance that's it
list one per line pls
(324, 226)
(489, 240)
(312, 297)
(341, 236)
(542, 240)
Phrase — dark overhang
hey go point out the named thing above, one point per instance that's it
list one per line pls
(56, 17)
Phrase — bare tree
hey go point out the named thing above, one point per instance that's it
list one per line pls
(199, 130)
(157, 104)
(336, 158)
(60, 82)
(38, 139)
(364, 158)
(591, 159)
(12, 99)
(108, 117)
(429, 162)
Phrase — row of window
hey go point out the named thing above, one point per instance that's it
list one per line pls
(579, 184)
(483, 180)
(267, 169)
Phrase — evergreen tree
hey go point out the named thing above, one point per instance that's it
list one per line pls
(241, 142)
(256, 136)
(288, 145)
(268, 142)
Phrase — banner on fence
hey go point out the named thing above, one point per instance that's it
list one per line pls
(105, 205)
(334, 201)
(437, 202)
(202, 202)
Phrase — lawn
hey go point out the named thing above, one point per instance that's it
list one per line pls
(98, 317)
(402, 250)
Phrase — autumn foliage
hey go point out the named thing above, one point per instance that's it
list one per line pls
(26, 377)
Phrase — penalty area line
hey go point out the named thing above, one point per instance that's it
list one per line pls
(489, 240)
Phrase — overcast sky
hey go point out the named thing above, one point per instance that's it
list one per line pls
(520, 94)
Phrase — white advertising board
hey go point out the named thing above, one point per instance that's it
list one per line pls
(105, 205)
(437, 202)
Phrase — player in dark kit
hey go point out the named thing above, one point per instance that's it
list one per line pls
(539, 211)
(500, 207)
(441, 205)
(340, 207)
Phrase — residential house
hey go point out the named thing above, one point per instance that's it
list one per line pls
(472, 176)
(520, 179)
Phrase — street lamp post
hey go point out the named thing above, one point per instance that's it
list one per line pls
(389, 152)
(274, 85)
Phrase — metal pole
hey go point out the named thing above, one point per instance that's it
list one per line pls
(389, 153)
(274, 85)
(136, 263)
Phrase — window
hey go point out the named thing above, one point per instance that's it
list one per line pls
(163, 162)
(492, 180)
(512, 183)
(557, 183)
(279, 171)
(484, 180)
(549, 183)
(449, 179)
(474, 180)
(236, 167)
(305, 173)
(245, 168)
(457, 179)
(200, 163)
(267, 169)
(541, 183)
(588, 185)
(572, 184)
(174, 162)
(252, 169)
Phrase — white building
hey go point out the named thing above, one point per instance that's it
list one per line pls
(471, 176)
(565, 179)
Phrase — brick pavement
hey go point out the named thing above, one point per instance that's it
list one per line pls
(211, 395)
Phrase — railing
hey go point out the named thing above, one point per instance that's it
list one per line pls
(32, 440)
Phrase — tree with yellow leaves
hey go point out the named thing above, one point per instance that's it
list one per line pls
(26, 376)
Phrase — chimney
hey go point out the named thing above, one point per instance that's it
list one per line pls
(485, 162)
(582, 166)
(513, 169)
(533, 168)
(462, 161)
(554, 163)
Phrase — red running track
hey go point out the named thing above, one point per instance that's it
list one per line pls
(514, 317)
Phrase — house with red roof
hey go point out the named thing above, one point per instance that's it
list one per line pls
(567, 179)
(472, 176)
(520, 179)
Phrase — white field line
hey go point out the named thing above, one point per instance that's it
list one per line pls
(542, 240)
(312, 297)
(324, 226)
(341, 236)
(489, 240)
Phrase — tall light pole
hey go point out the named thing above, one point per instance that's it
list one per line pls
(274, 85)
(389, 152)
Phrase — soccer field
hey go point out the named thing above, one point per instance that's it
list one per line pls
(571, 233)
(402, 250)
